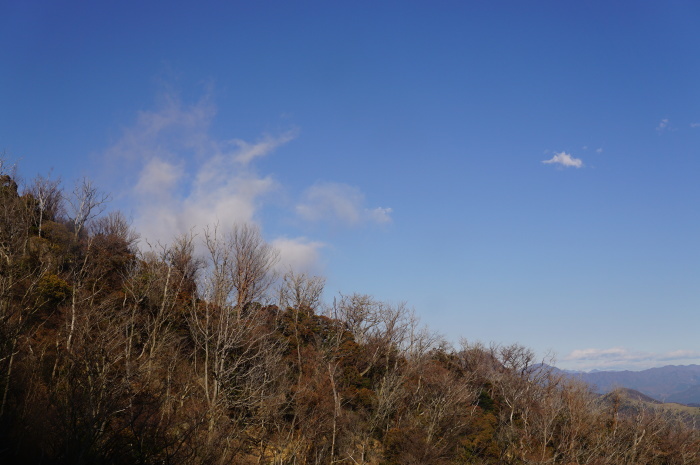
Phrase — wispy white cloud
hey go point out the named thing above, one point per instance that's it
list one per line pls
(564, 159)
(663, 125)
(623, 358)
(380, 215)
(248, 152)
(185, 179)
(598, 354)
(695, 125)
(158, 177)
(171, 130)
(682, 354)
(585, 147)
(341, 203)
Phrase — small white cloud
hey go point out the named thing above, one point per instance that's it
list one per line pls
(299, 254)
(695, 125)
(340, 202)
(599, 150)
(663, 125)
(564, 159)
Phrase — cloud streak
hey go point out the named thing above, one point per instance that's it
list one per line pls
(248, 152)
(623, 358)
(564, 159)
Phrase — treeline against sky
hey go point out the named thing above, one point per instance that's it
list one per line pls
(196, 352)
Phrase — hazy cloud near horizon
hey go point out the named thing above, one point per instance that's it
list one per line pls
(623, 358)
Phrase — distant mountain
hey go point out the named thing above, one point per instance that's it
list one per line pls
(630, 402)
(672, 383)
(690, 396)
(631, 394)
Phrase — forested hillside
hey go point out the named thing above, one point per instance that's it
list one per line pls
(195, 352)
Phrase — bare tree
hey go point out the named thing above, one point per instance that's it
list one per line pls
(49, 197)
(115, 224)
(299, 290)
(242, 265)
(19, 280)
(237, 360)
(14, 214)
(85, 203)
(371, 321)
(156, 282)
(252, 269)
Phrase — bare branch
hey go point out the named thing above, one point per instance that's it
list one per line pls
(299, 290)
(85, 203)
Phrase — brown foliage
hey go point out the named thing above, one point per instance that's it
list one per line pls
(113, 355)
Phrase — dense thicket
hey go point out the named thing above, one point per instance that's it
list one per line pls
(109, 354)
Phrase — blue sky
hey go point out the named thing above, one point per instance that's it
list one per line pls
(516, 172)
